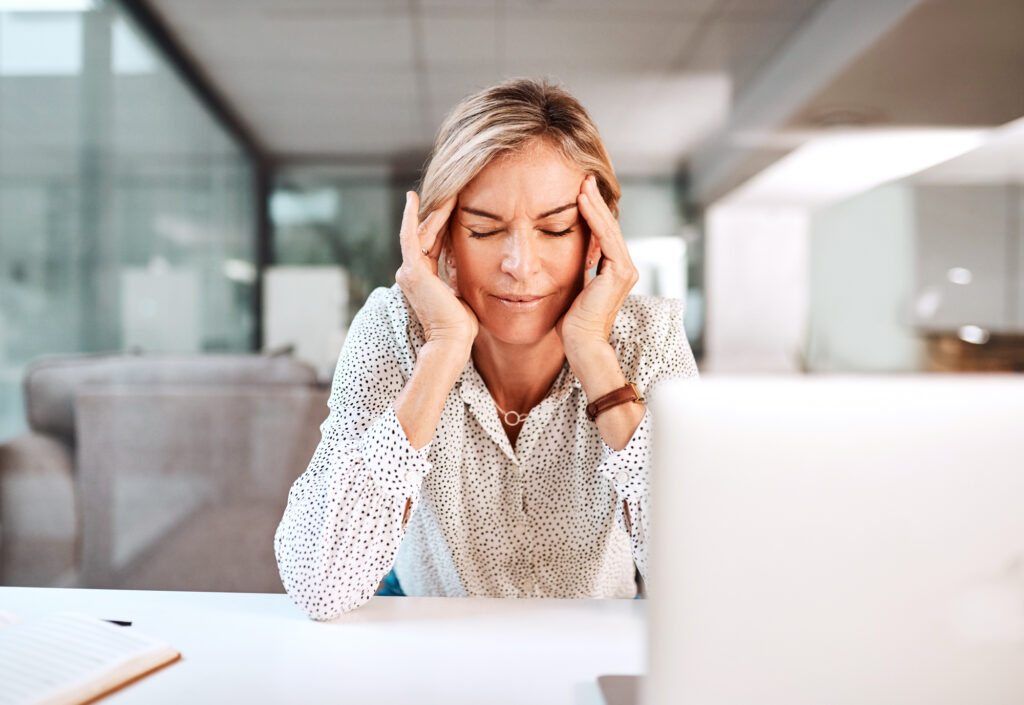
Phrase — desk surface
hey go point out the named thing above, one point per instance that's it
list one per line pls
(260, 648)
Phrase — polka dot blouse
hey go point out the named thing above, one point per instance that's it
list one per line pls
(543, 519)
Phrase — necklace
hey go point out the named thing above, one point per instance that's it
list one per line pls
(516, 419)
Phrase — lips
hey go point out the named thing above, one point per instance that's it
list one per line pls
(523, 298)
(519, 302)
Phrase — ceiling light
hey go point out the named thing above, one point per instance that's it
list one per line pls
(47, 5)
(833, 167)
(959, 275)
(973, 334)
(998, 161)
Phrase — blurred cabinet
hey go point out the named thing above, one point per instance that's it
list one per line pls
(304, 308)
(969, 258)
(161, 309)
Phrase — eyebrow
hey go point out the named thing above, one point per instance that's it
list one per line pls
(485, 214)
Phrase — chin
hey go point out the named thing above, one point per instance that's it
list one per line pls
(520, 335)
(515, 326)
(519, 330)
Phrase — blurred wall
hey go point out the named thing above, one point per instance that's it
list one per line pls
(756, 281)
(861, 284)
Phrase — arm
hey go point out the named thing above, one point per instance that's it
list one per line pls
(419, 405)
(599, 372)
(664, 354)
(586, 326)
(346, 515)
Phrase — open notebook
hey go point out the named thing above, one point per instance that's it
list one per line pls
(69, 658)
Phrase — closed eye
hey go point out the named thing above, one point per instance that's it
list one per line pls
(553, 233)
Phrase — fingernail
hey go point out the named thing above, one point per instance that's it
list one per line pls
(408, 197)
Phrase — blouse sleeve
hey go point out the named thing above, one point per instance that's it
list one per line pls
(346, 514)
(663, 353)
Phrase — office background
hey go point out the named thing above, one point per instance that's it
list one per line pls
(832, 186)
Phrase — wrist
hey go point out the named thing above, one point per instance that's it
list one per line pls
(451, 339)
(597, 368)
(445, 356)
(576, 342)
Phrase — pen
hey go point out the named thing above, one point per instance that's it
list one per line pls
(118, 622)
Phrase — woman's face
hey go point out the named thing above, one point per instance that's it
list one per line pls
(518, 243)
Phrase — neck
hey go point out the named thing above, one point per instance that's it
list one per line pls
(518, 376)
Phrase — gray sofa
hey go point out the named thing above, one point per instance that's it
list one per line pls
(155, 471)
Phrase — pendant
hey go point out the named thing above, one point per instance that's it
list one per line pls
(516, 419)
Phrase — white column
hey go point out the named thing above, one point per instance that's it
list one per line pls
(757, 283)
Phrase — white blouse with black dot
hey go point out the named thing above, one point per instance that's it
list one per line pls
(543, 519)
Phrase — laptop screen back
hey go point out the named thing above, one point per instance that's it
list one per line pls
(838, 540)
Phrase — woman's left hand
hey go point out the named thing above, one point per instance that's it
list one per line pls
(588, 322)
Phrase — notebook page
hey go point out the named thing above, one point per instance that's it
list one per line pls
(68, 658)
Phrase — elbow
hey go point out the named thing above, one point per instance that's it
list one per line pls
(313, 590)
(318, 599)
(317, 610)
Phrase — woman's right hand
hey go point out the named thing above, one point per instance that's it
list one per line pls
(445, 317)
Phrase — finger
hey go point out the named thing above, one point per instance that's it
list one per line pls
(602, 223)
(604, 213)
(599, 229)
(594, 193)
(423, 224)
(434, 225)
(407, 233)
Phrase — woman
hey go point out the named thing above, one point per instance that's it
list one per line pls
(458, 448)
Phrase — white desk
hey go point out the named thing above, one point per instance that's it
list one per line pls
(260, 648)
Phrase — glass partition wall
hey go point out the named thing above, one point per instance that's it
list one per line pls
(127, 213)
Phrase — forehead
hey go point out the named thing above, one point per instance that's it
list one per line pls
(533, 179)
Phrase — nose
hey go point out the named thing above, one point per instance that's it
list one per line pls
(521, 258)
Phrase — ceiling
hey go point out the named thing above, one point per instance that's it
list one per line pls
(873, 66)
(708, 85)
(948, 63)
(718, 89)
(371, 80)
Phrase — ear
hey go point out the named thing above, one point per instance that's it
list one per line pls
(447, 267)
(593, 252)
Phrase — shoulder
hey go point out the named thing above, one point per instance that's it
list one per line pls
(387, 302)
(388, 305)
(650, 341)
(387, 315)
(646, 320)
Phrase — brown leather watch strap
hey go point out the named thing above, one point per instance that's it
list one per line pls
(621, 395)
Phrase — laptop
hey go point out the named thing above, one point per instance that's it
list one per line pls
(837, 540)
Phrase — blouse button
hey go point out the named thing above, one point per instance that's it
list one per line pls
(412, 477)
(621, 477)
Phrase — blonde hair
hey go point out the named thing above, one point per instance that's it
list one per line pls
(506, 118)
